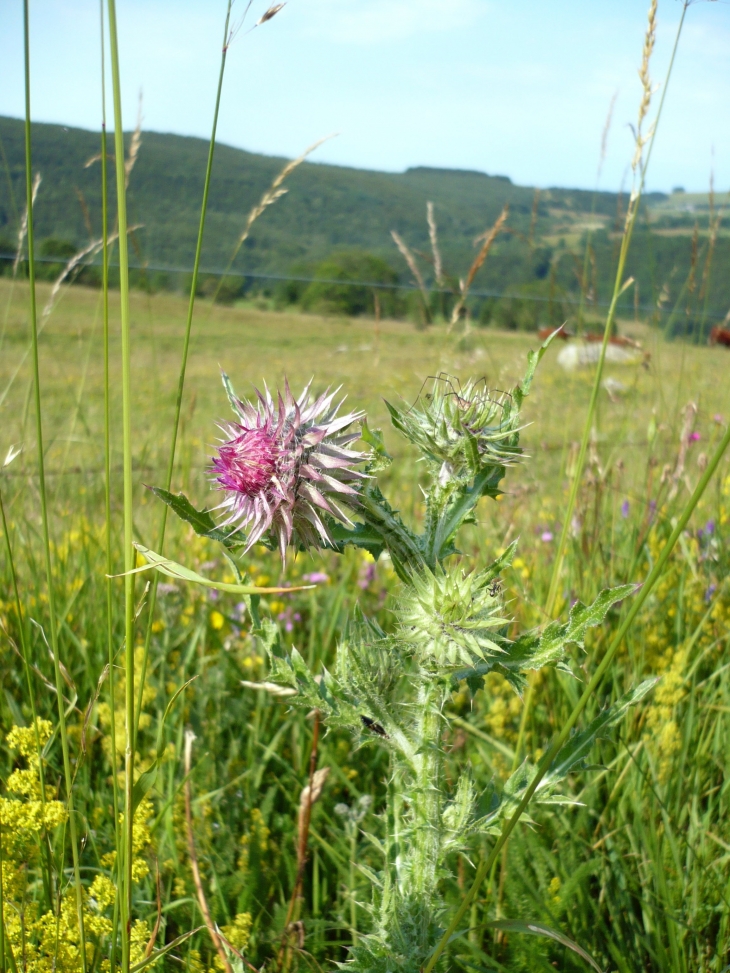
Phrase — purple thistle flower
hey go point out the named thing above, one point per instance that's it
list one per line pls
(285, 464)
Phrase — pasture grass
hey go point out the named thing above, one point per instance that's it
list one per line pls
(636, 874)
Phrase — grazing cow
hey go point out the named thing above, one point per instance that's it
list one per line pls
(545, 333)
(618, 340)
(720, 336)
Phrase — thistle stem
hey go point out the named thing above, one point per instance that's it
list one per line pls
(427, 809)
(597, 678)
(68, 778)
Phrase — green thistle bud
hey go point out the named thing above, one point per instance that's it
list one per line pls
(462, 430)
(452, 617)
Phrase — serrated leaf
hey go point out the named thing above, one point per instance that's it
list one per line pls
(466, 498)
(374, 438)
(174, 570)
(533, 650)
(362, 535)
(579, 746)
(200, 520)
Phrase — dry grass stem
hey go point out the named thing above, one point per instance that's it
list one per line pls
(488, 240)
(271, 12)
(413, 267)
(438, 267)
(72, 264)
(678, 474)
(604, 135)
(197, 881)
(134, 145)
(24, 225)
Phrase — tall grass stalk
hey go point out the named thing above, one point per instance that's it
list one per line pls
(111, 654)
(595, 681)
(641, 164)
(620, 285)
(184, 363)
(126, 848)
(68, 778)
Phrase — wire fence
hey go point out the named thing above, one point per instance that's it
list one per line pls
(569, 300)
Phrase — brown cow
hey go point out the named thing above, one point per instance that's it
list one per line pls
(720, 336)
(621, 341)
(545, 333)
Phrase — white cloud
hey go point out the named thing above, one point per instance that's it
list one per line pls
(373, 21)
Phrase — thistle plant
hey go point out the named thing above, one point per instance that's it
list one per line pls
(281, 470)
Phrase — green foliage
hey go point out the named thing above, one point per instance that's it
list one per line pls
(52, 248)
(326, 296)
(329, 209)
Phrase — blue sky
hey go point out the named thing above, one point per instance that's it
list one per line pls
(514, 87)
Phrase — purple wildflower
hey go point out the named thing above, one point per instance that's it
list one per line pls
(285, 464)
(366, 575)
(694, 437)
(316, 577)
(710, 527)
(625, 509)
(546, 536)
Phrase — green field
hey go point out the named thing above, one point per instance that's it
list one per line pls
(636, 874)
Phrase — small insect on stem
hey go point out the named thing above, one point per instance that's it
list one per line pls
(373, 727)
(495, 588)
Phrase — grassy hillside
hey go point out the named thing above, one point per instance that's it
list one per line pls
(332, 208)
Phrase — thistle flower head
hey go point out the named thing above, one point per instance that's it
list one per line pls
(463, 430)
(285, 467)
(452, 617)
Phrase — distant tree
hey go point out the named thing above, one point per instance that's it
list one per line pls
(60, 250)
(345, 283)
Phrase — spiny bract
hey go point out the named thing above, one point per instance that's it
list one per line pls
(451, 617)
(463, 428)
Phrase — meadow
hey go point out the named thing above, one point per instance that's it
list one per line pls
(483, 727)
(635, 874)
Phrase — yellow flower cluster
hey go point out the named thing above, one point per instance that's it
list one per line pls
(689, 614)
(29, 813)
(48, 941)
(237, 934)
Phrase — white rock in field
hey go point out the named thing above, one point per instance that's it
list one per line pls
(581, 354)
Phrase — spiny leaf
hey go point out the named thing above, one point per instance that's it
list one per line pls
(579, 746)
(533, 650)
(374, 438)
(362, 536)
(200, 520)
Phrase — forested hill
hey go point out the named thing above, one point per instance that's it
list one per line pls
(332, 208)
(327, 206)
